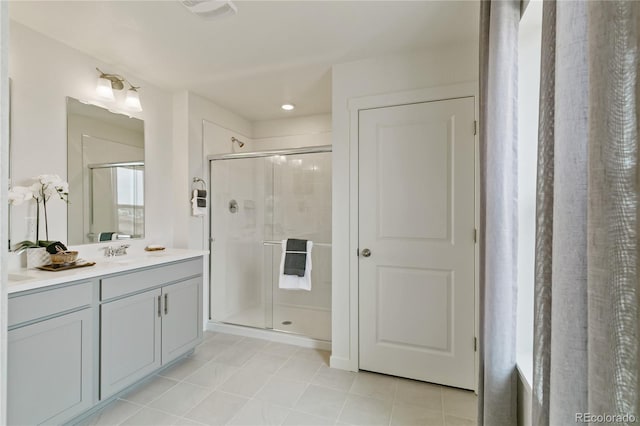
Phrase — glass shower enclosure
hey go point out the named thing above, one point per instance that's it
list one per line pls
(257, 200)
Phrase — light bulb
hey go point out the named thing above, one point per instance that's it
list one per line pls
(288, 107)
(132, 101)
(104, 89)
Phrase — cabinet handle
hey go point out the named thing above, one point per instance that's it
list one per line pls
(159, 306)
(166, 303)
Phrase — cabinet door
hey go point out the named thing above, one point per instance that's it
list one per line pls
(50, 371)
(130, 340)
(182, 318)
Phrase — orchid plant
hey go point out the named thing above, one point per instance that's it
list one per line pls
(44, 187)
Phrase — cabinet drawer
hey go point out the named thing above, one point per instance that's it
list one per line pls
(32, 306)
(132, 282)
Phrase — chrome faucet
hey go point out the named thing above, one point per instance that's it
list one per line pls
(110, 251)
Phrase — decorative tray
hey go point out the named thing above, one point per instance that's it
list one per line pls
(65, 266)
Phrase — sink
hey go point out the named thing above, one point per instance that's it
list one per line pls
(19, 277)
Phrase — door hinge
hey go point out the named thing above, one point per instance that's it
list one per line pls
(475, 127)
(475, 344)
(475, 235)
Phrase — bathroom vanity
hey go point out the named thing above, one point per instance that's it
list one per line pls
(80, 338)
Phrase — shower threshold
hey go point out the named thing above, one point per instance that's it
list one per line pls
(309, 322)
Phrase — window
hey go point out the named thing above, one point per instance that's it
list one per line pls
(528, 102)
(130, 200)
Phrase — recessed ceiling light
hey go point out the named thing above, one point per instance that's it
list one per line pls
(287, 107)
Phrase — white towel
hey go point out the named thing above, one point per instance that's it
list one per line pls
(197, 211)
(294, 282)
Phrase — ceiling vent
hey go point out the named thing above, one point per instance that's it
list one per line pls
(210, 8)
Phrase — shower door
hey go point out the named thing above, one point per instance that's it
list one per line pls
(237, 252)
(255, 204)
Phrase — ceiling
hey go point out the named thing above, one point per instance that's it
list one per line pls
(270, 53)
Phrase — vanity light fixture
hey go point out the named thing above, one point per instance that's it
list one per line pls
(107, 83)
(288, 107)
(104, 90)
(132, 101)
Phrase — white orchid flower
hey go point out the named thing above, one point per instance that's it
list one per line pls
(19, 194)
(44, 187)
(49, 185)
(62, 187)
(48, 179)
(36, 190)
(48, 191)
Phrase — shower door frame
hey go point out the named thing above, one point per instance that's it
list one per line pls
(270, 153)
(318, 149)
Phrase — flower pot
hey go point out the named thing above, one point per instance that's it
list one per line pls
(37, 257)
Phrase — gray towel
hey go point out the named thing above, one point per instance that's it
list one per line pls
(295, 259)
(201, 199)
(105, 236)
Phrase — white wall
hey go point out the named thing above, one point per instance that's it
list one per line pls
(445, 66)
(210, 130)
(292, 132)
(181, 186)
(44, 72)
(201, 128)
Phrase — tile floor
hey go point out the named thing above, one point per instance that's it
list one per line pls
(233, 380)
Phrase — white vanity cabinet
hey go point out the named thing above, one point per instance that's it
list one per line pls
(50, 355)
(148, 319)
(74, 346)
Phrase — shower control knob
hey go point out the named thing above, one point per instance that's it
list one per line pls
(366, 252)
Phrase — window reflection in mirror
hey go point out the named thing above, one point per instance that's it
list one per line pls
(105, 154)
(116, 204)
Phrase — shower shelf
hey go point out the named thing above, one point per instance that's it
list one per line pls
(277, 243)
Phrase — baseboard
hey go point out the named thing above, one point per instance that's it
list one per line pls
(274, 336)
(341, 363)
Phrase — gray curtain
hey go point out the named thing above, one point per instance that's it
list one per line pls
(499, 22)
(586, 327)
(4, 182)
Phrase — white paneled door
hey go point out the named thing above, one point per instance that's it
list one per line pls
(416, 241)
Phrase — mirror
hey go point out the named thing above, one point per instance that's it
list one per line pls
(105, 171)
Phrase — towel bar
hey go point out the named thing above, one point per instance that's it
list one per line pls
(277, 243)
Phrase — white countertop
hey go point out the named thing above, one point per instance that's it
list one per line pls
(30, 279)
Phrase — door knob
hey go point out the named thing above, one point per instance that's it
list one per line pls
(366, 252)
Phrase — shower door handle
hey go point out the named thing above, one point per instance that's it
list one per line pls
(366, 252)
